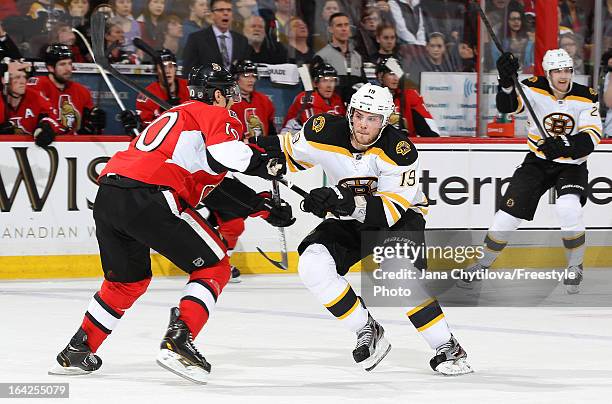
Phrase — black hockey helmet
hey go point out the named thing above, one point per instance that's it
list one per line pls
(319, 70)
(56, 52)
(381, 65)
(166, 56)
(242, 67)
(205, 79)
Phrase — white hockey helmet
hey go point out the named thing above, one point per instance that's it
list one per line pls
(557, 59)
(374, 99)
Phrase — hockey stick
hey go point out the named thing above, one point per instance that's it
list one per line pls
(97, 39)
(103, 73)
(517, 84)
(281, 231)
(307, 84)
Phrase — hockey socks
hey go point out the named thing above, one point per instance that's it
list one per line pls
(107, 307)
(200, 294)
(428, 319)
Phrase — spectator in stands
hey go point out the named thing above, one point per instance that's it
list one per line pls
(265, 49)
(62, 33)
(570, 43)
(365, 38)
(386, 38)
(320, 36)
(411, 115)
(607, 25)
(340, 53)
(573, 16)
(173, 32)
(513, 36)
(115, 39)
(150, 23)
(8, 48)
(434, 60)
(412, 22)
(462, 57)
(607, 95)
(217, 43)
(297, 35)
(76, 12)
(123, 16)
(42, 9)
(200, 18)
(275, 21)
(243, 9)
(382, 6)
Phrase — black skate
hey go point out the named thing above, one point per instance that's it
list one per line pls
(179, 355)
(450, 359)
(372, 347)
(235, 278)
(573, 279)
(76, 358)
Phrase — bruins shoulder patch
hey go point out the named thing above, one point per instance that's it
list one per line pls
(403, 148)
(318, 123)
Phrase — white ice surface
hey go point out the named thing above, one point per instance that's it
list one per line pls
(269, 341)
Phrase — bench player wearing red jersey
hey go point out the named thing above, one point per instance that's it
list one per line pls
(146, 199)
(411, 114)
(323, 99)
(26, 111)
(71, 101)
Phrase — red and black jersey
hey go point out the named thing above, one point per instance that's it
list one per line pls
(32, 109)
(68, 105)
(417, 119)
(319, 105)
(148, 110)
(188, 148)
(256, 115)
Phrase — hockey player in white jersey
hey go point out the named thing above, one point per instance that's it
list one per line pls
(569, 113)
(375, 169)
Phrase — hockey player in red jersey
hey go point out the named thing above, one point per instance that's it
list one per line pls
(323, 100)
(146, 200)
(411, 114)
(255, 110)
(71, 101)
(27, 111)
(175, 92)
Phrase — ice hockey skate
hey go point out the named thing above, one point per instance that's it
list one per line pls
(573, 279)
(450, 359)
(372, 347)
(179, 355)
(235, 278)
(76, 358)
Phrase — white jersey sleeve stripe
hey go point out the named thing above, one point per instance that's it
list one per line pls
(233, 154)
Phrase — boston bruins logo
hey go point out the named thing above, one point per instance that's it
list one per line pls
(318, 123)
(559, 124)
(403, 148)
(360, 186)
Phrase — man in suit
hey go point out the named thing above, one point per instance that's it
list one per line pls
(217, 43)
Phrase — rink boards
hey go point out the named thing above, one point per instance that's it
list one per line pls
(47, 230)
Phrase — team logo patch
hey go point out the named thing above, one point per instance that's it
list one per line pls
(593, 91)
(558, 124)
(318, 123)
(533, 79)
(510, 202)
(232, 114)
(198, 262)
(403, 148)
(216, 67)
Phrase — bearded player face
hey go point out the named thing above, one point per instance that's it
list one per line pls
(62, 72)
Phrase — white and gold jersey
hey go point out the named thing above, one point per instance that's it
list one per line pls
(577, 112)
(387, 174)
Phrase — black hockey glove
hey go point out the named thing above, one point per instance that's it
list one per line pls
(269, 166)
(507, 67)
(44, 135)
(7, 128)
(338, 200)
(278, 215)
(95, 119)
(554, 147)
(130, 121)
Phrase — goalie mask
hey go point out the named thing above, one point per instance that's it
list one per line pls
(374, 99)
(558, 59)
(205, 80)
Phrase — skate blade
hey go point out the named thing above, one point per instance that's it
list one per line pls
(455, 368)
(572, 289)
(382, 349)
(172, 361)
(235, 280)
(67, 371)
